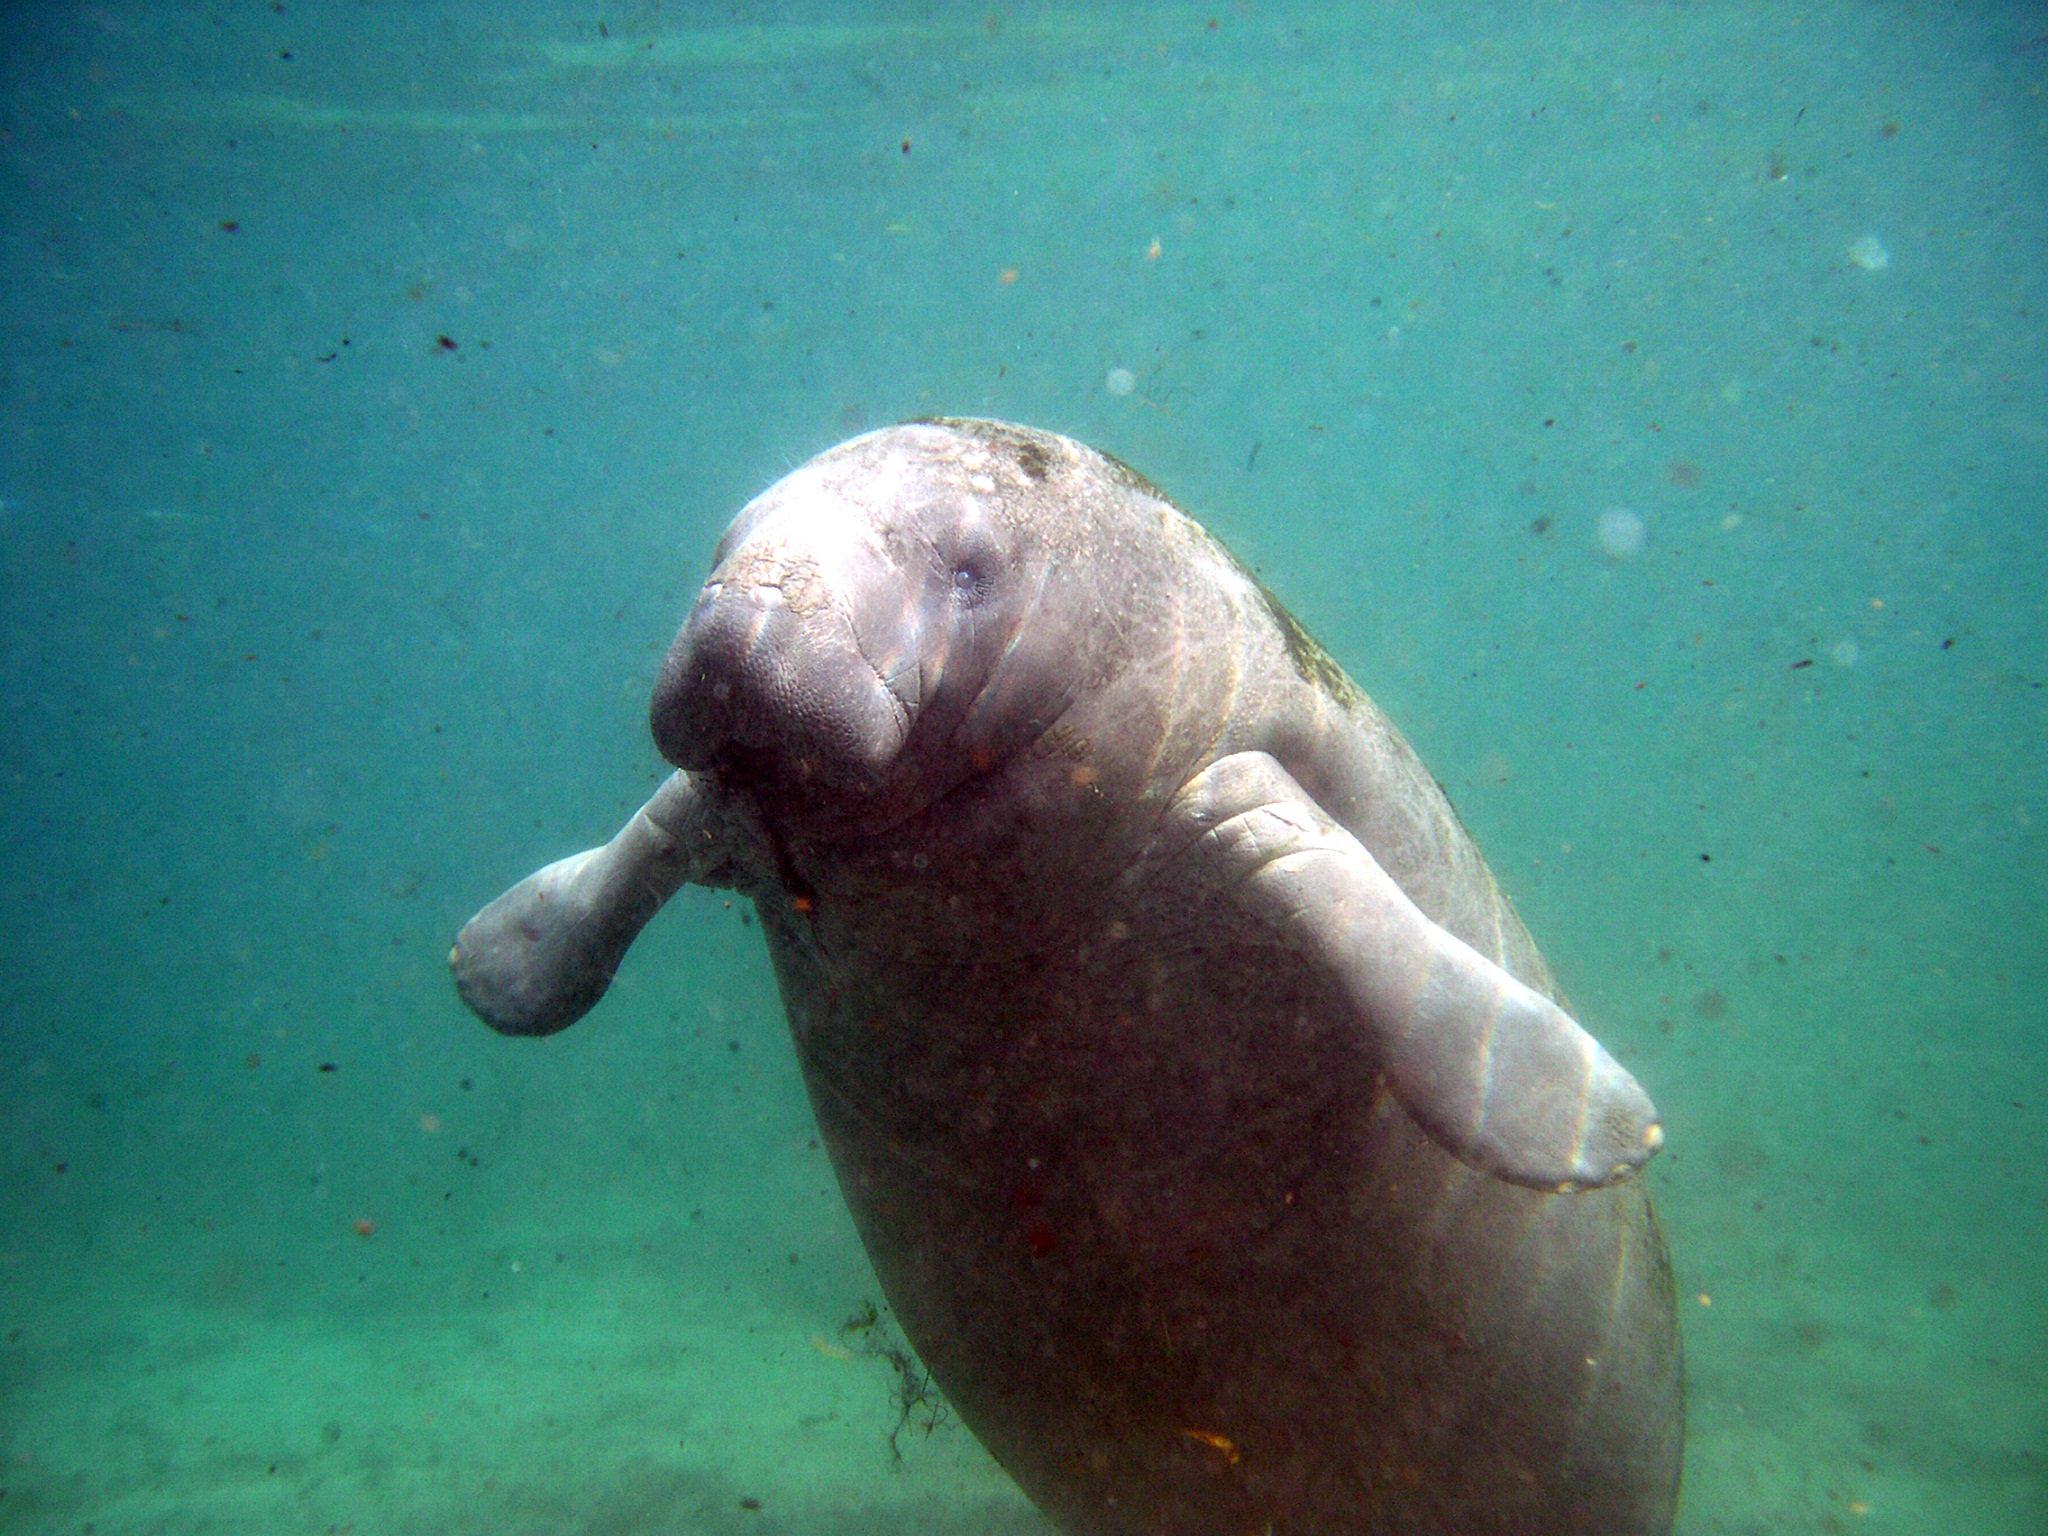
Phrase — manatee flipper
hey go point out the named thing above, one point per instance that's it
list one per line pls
(1494, 1071)
(539, 957)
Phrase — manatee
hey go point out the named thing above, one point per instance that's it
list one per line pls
(1209, 1117)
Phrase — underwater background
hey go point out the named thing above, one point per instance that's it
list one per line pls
(1646, 403)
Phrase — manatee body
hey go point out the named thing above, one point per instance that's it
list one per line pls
(1205, 1109)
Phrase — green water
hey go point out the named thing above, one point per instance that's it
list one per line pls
(377, 379)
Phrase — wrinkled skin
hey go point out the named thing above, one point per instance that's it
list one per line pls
(1207, 1113)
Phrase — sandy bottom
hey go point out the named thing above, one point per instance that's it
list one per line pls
(610, 1390)
(573, 1403)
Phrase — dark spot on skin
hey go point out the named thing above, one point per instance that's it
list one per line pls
(1540, 527)
(1031, 450)
(1122, 474)
(1710, 1004)
(1312, 663)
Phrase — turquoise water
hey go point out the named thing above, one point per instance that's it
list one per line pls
(377, 379)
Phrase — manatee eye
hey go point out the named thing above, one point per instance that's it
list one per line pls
(974, 561)
(971, 583)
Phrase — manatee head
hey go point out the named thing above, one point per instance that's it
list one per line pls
(876, 626)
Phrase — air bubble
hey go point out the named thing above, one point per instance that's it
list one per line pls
(1621, 533)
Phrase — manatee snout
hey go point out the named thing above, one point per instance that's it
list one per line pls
(770, 671)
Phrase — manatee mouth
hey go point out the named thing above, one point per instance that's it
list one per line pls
(769, 674)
